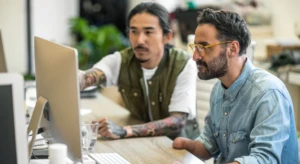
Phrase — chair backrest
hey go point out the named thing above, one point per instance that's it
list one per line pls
(250, 50)
(204, 88)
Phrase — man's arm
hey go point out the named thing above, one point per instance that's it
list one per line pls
(170, 126)
(91, 77)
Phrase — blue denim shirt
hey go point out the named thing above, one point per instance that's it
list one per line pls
(252, 121)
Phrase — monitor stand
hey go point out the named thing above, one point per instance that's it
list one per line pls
(35, 121)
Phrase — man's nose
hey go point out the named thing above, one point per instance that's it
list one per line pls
(141, 38)
(197, 55)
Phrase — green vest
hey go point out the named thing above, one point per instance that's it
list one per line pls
(132, 87)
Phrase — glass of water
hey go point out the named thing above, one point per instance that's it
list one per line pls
(89, 134)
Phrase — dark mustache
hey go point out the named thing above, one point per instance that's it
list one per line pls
(201, 63)
(141, 48)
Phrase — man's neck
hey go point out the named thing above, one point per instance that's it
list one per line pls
(235, 69)
(153, 62)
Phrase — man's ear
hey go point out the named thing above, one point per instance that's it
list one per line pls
(167, 37)
(234, 48)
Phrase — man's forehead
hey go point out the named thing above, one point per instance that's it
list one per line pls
(205, 33)
(144, 20)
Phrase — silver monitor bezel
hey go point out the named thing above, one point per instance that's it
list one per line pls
(17, 83)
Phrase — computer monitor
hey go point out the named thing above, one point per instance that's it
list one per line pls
(57, 81)
(13, 140)
(3, 67)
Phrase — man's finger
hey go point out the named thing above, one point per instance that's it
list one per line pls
(103, 120)
(103, 130)
(179, 143)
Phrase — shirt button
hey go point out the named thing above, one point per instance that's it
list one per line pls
(135, 94)
(215, 134)
(153, 103)
(224, 134)
(123, 90)
(233, 141)
(149, 82)
(225, 113)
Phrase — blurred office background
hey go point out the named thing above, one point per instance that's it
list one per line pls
(270, 21)
(274, 25)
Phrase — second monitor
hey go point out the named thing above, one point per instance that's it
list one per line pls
(56, 80)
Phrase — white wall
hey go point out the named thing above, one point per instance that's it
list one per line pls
(50, 20)
(285, 13)
(13, 29)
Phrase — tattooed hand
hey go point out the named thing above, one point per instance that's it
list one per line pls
(110, 130)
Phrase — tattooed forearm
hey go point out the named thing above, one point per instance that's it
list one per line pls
(116, 129)
(102, 78)
(90, 78)
(170, 126)
(94, 77)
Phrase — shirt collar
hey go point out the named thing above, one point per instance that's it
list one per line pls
(234, 89)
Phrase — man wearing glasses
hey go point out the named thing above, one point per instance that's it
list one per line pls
(251, 119)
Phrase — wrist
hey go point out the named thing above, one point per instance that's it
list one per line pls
(128, 131)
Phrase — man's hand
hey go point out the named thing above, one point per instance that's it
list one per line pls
(180, 143)
(109, 129)
(193, 146)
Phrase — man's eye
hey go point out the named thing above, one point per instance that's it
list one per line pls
(148, 32)
(133, 31)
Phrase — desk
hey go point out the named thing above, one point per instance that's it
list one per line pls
(135, 150)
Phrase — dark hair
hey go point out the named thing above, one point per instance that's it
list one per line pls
(154, 9)
(230, 26)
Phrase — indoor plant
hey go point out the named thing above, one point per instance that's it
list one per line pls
(95, 42)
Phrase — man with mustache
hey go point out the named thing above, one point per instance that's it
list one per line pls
(157, 82)
(251, 117)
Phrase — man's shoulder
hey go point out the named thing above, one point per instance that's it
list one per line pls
(178, 51)
(261, 82)
(126, 54)
(179, 54)
(126, 51)
(265, 80)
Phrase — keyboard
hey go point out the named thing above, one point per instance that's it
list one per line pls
(108, 158)
(92, 158)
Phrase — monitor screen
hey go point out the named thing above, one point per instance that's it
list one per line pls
(13, 140)
(7, 139)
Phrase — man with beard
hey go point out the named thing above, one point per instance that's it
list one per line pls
(157, 82)
(251, 119)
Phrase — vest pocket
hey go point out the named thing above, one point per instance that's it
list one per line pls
(127, 98)
(137, 103)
